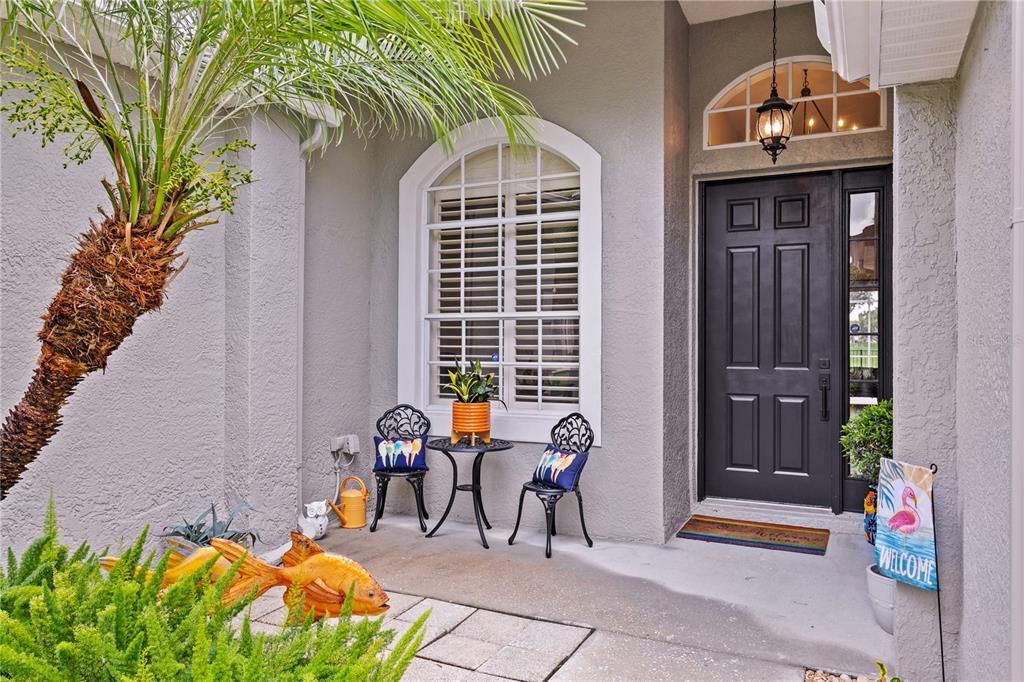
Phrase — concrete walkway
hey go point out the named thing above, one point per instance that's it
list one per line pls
(471, 644)
(620, 611)
(682, 610)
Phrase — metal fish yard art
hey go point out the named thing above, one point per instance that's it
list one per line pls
(323, 578)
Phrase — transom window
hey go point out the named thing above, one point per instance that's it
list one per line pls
(506, 245)
(823, 103)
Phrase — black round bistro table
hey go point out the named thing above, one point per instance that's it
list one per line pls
(446, 446)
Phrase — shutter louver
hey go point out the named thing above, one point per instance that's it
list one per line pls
(504, 275)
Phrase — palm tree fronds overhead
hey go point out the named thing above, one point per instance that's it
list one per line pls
(153, 85)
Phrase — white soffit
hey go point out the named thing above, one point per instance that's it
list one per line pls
(922, 41)
(895, 41)
(701, 11)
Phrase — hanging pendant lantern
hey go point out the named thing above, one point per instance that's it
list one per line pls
(775, 116)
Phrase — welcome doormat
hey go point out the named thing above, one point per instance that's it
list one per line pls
(756, 534)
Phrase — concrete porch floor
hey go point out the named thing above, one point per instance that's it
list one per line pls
(683, 610)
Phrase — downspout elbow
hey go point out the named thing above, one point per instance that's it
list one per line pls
(315, 140)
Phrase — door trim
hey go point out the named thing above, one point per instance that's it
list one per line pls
(838, 470)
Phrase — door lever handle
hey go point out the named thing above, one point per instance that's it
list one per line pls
(824, 386)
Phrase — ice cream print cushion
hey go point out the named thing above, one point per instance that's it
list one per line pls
(560, 468)
(399, 454)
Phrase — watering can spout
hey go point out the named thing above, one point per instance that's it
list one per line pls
(352, 510)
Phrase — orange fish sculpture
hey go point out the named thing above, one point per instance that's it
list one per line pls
(323, 578)
(185, 558)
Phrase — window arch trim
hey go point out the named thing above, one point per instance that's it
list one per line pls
(787, 62)
(413, 265)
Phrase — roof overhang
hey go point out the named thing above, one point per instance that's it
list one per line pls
(701, 11)
(893, 42)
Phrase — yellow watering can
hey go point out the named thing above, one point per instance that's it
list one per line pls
(352, 512)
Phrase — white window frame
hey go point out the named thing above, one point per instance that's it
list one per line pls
(522, 425)
(787, 65)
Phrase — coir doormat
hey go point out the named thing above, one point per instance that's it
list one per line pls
(755, 534)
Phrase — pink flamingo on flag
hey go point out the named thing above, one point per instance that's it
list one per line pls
(906, 520)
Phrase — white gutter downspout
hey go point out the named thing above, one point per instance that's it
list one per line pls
(315, 140)
(1017, 355)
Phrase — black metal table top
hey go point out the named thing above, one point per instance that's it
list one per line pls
(446, 445)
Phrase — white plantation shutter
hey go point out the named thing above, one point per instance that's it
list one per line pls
(503, 275)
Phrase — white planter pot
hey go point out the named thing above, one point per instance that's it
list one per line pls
(882, 592)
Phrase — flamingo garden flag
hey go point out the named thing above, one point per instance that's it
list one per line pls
(905, 545)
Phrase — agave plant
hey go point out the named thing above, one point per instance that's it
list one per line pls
(154, 84)
(472, 385)
(200, 533)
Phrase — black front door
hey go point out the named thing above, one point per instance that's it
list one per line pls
(770, 339)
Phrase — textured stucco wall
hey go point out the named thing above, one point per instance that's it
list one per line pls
(141, 443)
(610, 93)
(720, 51)
(678, 352)
(925, 352)
(336, 351)
(264, 332)
(983, 247)
(201, 403)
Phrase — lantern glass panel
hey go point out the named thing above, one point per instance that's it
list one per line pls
(774, 124)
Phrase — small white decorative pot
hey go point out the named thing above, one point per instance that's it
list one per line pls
(882, 592)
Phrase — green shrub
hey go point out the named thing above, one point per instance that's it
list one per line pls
(867, 438)
(62, 618)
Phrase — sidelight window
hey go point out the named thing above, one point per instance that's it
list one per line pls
(864, 299)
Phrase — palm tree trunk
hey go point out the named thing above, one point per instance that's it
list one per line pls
(112, 280)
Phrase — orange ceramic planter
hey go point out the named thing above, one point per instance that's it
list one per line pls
(472, 420)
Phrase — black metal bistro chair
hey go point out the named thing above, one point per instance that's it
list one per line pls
(402, 421)
(571, 435)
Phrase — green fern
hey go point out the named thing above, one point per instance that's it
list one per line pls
(62, 617)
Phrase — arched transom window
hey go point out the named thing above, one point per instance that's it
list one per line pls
(509, 275)
(823, 103)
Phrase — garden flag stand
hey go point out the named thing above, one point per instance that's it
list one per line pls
(905, 547)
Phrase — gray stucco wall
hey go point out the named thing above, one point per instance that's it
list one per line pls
(952, 338)
(200, 404)
(720, 51)
(925, 351)
(678, 351)
(610, 93)
(263, 281)
(338, 275)
(984, 251)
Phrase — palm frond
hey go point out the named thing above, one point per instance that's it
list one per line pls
(154, 82)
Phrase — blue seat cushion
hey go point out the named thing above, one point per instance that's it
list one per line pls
(399, 454)
(559, 468)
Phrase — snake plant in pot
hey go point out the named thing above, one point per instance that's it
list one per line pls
(471, 412)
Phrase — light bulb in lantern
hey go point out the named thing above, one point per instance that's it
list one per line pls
(841, 122)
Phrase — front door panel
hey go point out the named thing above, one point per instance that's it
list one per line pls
(769, 339)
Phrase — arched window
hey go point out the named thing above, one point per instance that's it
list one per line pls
(824, 104)
(500, 261)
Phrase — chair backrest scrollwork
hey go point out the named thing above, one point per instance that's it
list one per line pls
(403, 421)
(572, 434)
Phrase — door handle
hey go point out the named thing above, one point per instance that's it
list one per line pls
(824, 386)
